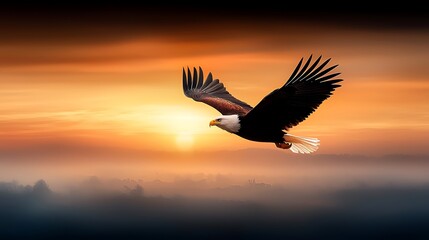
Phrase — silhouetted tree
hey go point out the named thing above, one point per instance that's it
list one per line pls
(137, 191)
(41, 188)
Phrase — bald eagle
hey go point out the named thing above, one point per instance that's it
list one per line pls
(308, 86)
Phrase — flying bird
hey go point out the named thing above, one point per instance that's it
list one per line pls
(270, 120)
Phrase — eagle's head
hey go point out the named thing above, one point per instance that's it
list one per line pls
(230, 123)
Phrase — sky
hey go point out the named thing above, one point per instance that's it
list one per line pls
(94, 92)
(113, 79)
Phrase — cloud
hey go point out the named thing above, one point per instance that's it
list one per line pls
(75, 37)
(363, 212)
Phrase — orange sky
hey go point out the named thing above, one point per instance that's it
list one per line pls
(95, 87)
(94, 123)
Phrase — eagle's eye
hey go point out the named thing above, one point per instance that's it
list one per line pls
(219, 119)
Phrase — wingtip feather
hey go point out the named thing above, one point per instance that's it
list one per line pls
(184, 83)
(200, 77)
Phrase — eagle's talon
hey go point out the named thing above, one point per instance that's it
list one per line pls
(284, 145)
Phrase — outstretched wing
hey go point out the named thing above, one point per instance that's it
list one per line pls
(212, 92)
(306, 89)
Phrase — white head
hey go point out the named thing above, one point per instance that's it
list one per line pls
(230, 123)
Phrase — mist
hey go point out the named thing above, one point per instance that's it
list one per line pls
(121, 209)
(252, 194)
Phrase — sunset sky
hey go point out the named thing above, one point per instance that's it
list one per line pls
(92, 96)
(77, 82)
(113, 79)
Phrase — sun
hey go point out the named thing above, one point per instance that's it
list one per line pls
(184, 141)
(173, 124)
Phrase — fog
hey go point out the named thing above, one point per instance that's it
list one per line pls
(239, 197)
(121, 209)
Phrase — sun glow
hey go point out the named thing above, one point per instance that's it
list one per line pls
(184, 141)
(182, 124)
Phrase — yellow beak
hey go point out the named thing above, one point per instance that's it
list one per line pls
(213, 123)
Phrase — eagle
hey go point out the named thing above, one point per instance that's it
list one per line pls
(308, 86)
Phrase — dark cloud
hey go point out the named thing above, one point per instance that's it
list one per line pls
(388, 212)
(93, 23)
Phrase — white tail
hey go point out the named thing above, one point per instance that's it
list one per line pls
(301, 144)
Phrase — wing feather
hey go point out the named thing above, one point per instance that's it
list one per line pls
(208, 81)
(189, 79)
(309, 71)
(185, 83)
(212, 92)
(292, 76)
(300, 96)
(200, 78)
(303, 69)
(194, 79)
